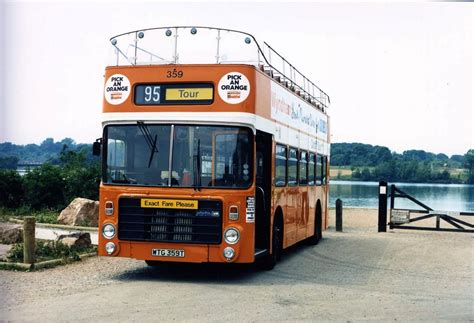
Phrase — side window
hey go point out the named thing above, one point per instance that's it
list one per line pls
(303, 168)
(325, 169)
(293, 167)
(311, 169)
(280, 165)
(319, 169)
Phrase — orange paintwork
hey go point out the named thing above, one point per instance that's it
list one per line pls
(297, 203)
(192, 73)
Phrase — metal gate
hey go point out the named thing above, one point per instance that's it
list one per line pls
(402, 218)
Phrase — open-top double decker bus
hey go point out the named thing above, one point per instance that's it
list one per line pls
(214, 149)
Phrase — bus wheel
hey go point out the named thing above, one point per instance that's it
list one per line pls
(153, 263)
(318, 232)
(271, 260)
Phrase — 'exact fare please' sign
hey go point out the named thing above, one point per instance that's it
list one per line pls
(169, 204)
(188, 94)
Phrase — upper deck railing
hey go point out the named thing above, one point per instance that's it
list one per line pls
(208, 45)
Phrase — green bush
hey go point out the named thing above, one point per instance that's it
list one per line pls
(46, 250)
(11, 189)
(44, 187)
(82, 182)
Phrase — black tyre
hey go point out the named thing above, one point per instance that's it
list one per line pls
(153, 263)
(271, 260)
(318, 230)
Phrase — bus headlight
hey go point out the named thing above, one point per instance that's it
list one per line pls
(231, 236)
(108, 231)
(110, 247)
(229, 253)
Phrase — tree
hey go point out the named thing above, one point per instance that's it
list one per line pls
(82, 176)
(11, 189)
(365, 174)
(469, 165)
(44, 187)
(9, 162)
(82, 182)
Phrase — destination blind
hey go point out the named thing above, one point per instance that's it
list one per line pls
(169, 94)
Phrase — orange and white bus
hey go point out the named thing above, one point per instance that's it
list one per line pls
(215, 149)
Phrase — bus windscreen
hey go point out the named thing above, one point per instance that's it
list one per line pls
(201, 156)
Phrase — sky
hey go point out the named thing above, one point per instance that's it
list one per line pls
(398, 74)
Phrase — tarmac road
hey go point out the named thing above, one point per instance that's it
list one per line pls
(350, 276)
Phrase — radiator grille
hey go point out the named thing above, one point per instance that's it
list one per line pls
(170, 225)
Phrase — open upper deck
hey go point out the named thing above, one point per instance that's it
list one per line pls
(208, 45)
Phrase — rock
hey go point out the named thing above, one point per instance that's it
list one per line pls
(11, 233)
(4, 249)
(76, 239)
(81, 211)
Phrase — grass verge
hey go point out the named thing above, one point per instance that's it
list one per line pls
(48, 250)
(42, 216)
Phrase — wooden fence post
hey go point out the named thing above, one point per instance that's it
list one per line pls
(29, 223)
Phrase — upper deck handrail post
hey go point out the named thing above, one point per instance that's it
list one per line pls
(136, 44)
(176, 45)
(218, 43)
(269, 55)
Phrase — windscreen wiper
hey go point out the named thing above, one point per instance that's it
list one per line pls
(151, 142)
(197, 167)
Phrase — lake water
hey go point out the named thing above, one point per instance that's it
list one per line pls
(442, 197)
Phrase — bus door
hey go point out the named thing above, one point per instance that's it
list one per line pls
(264, 144)
(303, 210)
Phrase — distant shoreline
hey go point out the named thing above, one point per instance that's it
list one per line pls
(354, 181)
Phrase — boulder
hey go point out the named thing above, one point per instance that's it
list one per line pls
(76, 239)
(4, 249)
(81, 211)
(11, 233)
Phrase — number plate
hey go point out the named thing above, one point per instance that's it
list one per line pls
(167, 253)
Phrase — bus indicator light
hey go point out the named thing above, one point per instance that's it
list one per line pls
(234, 213)
(109, 208)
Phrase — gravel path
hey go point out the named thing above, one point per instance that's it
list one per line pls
(355, 275)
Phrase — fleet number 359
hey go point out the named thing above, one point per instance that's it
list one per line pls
(174, 73)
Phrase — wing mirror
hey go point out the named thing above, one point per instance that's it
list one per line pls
(97, 147)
